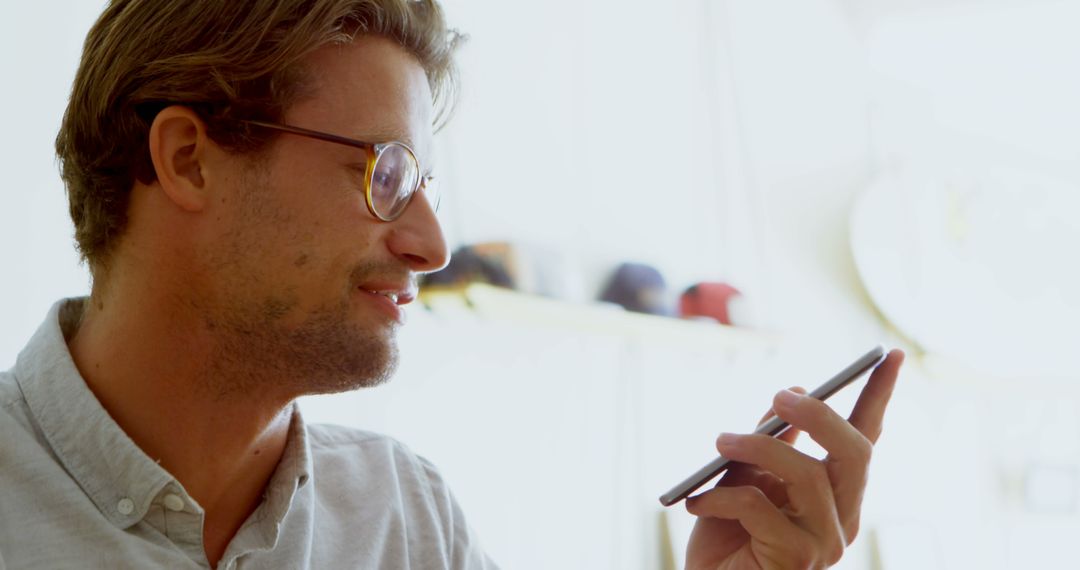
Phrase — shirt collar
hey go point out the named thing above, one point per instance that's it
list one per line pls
(292, 474)
(116, 474)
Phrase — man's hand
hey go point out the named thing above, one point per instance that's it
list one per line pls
(780, 508)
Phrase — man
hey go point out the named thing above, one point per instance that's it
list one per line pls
(251, 188)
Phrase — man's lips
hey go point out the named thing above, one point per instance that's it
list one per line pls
(399, 294)
(385, 304)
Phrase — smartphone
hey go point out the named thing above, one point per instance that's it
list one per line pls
(774, 426)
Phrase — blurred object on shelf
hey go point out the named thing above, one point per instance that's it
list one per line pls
(639, 288)
(491, 263)
(975, 265)
(528, 268)
(1051, 489)
(709, 300)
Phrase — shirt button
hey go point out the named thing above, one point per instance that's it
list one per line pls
(126, 506)
(174, 503)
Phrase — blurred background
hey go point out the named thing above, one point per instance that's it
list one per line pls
(832, 174)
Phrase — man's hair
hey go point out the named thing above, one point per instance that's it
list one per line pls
(228, 60)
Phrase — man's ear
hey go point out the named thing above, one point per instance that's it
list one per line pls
(178, 148)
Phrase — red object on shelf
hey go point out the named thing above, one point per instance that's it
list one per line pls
(708, 300)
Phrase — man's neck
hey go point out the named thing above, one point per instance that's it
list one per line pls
(148, 366)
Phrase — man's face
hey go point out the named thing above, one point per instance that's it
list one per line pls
(295, 264)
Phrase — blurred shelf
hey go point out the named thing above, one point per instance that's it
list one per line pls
(499, 304)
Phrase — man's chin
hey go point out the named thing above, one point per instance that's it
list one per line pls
(354, 369)
(328, 352)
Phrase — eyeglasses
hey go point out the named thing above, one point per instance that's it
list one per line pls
(392, 176)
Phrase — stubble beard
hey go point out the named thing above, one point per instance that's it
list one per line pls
(257, 353)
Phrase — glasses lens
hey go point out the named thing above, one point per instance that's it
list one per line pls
(396, 176)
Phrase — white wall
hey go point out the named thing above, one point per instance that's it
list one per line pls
(40, 43)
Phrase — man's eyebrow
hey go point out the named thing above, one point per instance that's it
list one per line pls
(385, 136)
(427, 162)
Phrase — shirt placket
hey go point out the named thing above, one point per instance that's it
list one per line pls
(176, 516)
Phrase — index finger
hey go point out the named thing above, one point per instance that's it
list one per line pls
(870, 408)
(792, 432)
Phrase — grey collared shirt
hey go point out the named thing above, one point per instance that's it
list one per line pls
(76, 492)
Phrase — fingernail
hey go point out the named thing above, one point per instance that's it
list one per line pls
(726, 439)
(788, 398)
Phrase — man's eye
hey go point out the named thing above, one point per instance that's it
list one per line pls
(381, 178)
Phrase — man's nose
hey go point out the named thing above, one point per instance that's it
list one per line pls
(417, 238)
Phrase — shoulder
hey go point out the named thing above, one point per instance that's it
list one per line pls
(14, 418)
(355, 451)
(25, 452)
(329, 439)
(10, 395)
(370, 472)
(377, 481)
(330, 436)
